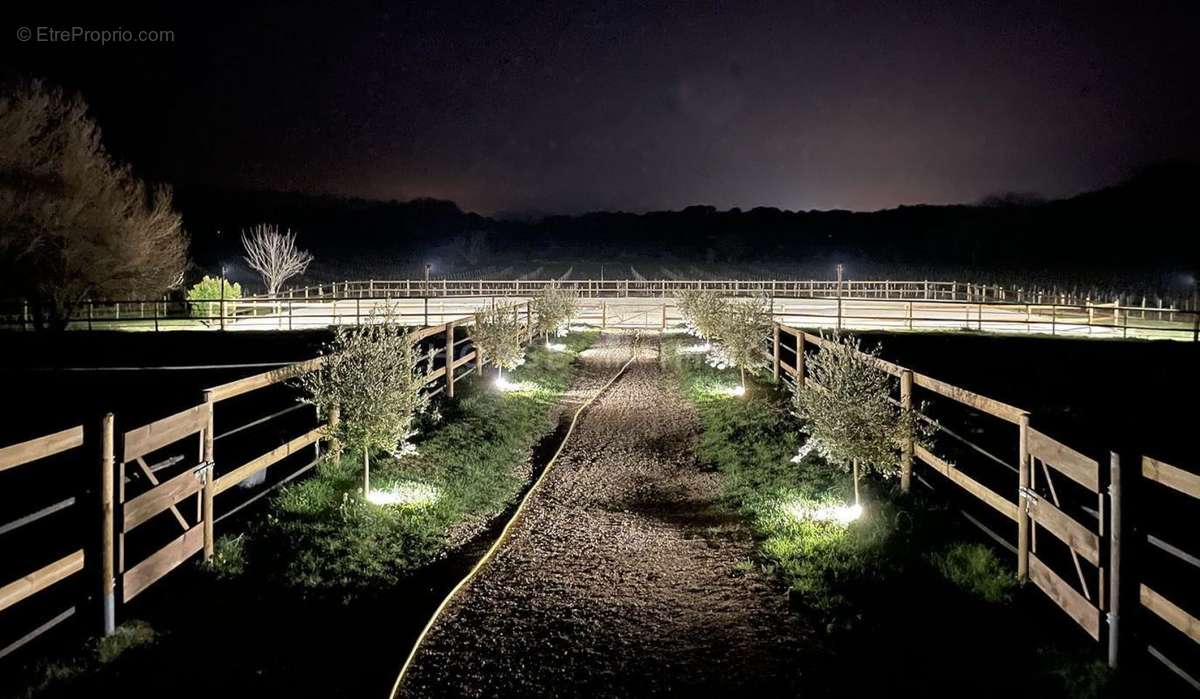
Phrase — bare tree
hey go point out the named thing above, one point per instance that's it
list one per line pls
(74, 224)
(274, 255)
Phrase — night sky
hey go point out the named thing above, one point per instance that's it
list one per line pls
(561, 107)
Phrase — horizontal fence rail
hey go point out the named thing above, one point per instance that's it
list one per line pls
(51, 568)
(863, 305)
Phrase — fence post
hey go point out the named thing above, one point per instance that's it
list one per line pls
(603, 314)
(906, 450)
(774, 349)
(207, 509)
(106, 524)
(528, 321)
(800, 358)
(664, 316)
(91, 307)
(1114, 557)
(1023, 500)
(450, 359)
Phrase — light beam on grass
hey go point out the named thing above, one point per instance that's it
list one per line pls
(695, 349)
(406, 494)
(503, 384)
(842, 514)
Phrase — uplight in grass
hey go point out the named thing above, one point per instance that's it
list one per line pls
(556, 347)
(503, 384)
(406, 494)
(842, 514)
(735, 391)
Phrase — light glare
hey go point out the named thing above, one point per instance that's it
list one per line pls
(406, 494)
(842, 514)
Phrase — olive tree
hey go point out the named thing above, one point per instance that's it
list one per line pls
(499, 334)
(846, 409)
(553, 308)
(370, 376)
(74, 224)
(702, 311)
(741, 329)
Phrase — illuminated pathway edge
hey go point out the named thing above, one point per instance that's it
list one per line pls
(619, 578)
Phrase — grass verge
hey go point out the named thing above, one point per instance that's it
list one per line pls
(895, 588)
(468, 465)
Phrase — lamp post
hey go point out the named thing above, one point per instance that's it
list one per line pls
(222, 297)
(839, 297)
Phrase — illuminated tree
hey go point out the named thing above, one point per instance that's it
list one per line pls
(370, 375)
(499, 333)
(205, 295)
(274, 255)
(702, 311)
(848, 413)
(74, 224)
(553, 308)
(742, 328)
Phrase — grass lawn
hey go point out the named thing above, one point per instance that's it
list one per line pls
(904, 589)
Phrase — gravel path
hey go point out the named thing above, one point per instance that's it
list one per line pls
(622, 578)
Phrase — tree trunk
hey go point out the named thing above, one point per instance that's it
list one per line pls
(857, 500)
(366, 472)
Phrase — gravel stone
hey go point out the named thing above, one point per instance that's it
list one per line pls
(622, 577)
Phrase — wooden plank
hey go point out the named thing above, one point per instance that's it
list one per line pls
(267, 378)
(1082, 540)
(40, 579)
(161, 562)
(1082, 611)
(889, 367)
(1070, 463)
(1169, 612)
(160, 433)
(972, 486)
(41, 447)
(434, 375)
(279, 453)
(470, 356)
(990, 406)
(1184, 481)
(160, 498)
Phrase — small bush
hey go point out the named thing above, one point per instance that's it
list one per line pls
(975, 568)
(209, 289)
(132, 634)
(229, 557)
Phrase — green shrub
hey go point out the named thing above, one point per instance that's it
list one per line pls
(975, 568)
(229, 557)
(129, 635)
(209, 289)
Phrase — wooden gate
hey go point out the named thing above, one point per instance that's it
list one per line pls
(1083, 601)
(193, 476)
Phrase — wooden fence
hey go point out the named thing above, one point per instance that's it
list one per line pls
(60, 567)
(891, 306)
(1172, 597)
(165, 485)
(1063, 526)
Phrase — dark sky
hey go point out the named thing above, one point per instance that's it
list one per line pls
(566, 107)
